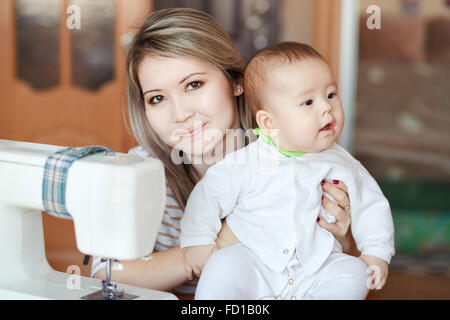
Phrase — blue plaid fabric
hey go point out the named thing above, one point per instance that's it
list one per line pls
(55, 177)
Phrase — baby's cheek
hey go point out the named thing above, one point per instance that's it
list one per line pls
(339, 115)
(308, 131)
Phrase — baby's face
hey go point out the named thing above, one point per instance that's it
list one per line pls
(305, 106)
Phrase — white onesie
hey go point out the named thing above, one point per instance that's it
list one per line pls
(271, 202)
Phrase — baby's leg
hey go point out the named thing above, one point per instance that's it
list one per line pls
(233, 272)
(342, 277)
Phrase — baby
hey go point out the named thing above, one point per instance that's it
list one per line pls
(283, 253)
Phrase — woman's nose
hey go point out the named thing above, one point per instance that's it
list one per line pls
(180, 112)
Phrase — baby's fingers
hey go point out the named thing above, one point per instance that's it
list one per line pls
(381, 284)
(376, 280)
(197, 270)
(378, 284)
(371, 282)
(188, 271)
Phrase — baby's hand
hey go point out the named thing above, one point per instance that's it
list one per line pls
(195, 258)
(378, 269)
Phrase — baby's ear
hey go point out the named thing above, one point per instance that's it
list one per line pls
(264, 121)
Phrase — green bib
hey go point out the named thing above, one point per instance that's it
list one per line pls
(266, 138)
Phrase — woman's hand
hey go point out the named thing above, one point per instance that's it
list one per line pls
(341, 211)
(225, 237)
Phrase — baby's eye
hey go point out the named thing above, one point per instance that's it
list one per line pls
(156, 99)
(307, 102)
(332, 95)
(194, 85)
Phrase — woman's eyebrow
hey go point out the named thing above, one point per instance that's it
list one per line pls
(150, 91)
(192, 74)
(183, 80)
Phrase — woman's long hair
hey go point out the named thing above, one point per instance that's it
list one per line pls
(179, 32)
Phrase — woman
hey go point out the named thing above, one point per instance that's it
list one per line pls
(185, 81)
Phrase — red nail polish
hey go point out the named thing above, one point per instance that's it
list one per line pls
(318, 219)
(322, 182)
(335, 181)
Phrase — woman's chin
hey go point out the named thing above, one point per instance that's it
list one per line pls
(203, 150)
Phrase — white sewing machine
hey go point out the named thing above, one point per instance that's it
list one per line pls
(116, 201)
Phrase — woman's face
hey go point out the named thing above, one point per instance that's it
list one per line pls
(189, 103)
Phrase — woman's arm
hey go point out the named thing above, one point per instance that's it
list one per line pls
(341, 211)
(164, 271)
(349, 245)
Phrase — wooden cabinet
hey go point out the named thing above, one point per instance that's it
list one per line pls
(66, 109)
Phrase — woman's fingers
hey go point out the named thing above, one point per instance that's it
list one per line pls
(333, 208)
(340, 210)
(343, 219)
(337, 191)
(338, 185)
(331, 227)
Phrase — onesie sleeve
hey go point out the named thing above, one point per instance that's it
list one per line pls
(372, 224)
(211, 200)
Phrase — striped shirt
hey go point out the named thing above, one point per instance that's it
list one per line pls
(169, 232)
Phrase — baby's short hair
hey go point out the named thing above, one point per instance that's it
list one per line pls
(255, 75)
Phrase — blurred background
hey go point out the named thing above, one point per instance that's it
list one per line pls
(63, 83)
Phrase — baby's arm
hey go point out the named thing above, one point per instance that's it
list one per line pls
(212, 199)
(372, 225)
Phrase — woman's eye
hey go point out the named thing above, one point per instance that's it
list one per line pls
(194, 85)
(307, 102)
(155, 99)
(332, 95)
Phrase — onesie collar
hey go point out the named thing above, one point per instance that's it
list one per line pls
(268, 139)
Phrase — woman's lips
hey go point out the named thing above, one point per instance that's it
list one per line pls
(194, 131)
